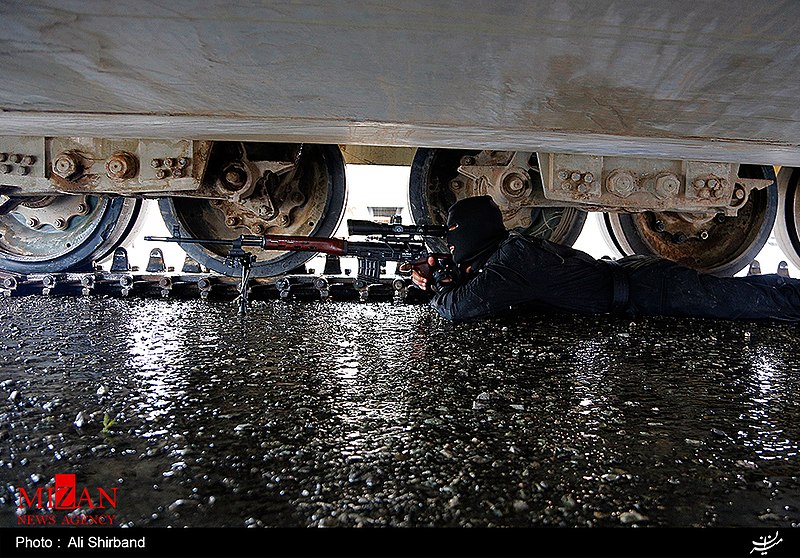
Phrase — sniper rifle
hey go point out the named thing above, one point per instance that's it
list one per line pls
(391, 242)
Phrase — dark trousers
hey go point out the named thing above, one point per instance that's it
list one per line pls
(664, 288)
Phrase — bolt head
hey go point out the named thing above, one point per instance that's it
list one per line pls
(65, 165)
(29, 160)
(667, 185)
(5, 169)
(563, 175)
(3, 157)
(60, 223)
(588, 178)
(622, 183)
(155, 163)
(32, 222)
(161, 173)
(22, 171)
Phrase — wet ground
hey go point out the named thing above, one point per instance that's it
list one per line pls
(380, 414)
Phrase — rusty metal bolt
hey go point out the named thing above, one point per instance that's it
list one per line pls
(32, 222)
(563, 175)
(456, 185)
(667, 185)
(60, 223)
(22, 171)
(232, 221)
(28, 160)
(5, 169)
(699, 183)
(659, 226)
(161, 173)
(583, 188)
(234, 178)
(566, 185)
(283, 220)
(575, 176)
(177, 172)
(588, 178)
(169, 162)
(121, 165)
(66, 165)
(258, 229)
(183, 162)
(155, 163)
(621, 182)
(739, 193)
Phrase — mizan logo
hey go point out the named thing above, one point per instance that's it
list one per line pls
(65, 496)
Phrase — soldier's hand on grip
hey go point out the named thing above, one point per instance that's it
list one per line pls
(431, 272)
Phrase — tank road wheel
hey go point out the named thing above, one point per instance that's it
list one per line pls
(440, 177)
(787, 227)
(615, 240)
(286, 189)
(53, 234)
(711, 243)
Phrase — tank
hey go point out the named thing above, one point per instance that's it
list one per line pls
(676, 121)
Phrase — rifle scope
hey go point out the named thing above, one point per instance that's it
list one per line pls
(358, 227)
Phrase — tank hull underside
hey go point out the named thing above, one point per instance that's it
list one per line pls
(713, 81)
(672, 118)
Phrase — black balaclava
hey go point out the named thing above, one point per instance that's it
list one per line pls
(480, 228)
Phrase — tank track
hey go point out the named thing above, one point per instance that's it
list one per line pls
(193, 283)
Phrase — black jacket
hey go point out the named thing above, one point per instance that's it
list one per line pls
(543, 276)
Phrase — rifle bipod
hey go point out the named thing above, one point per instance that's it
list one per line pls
(238, 258)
